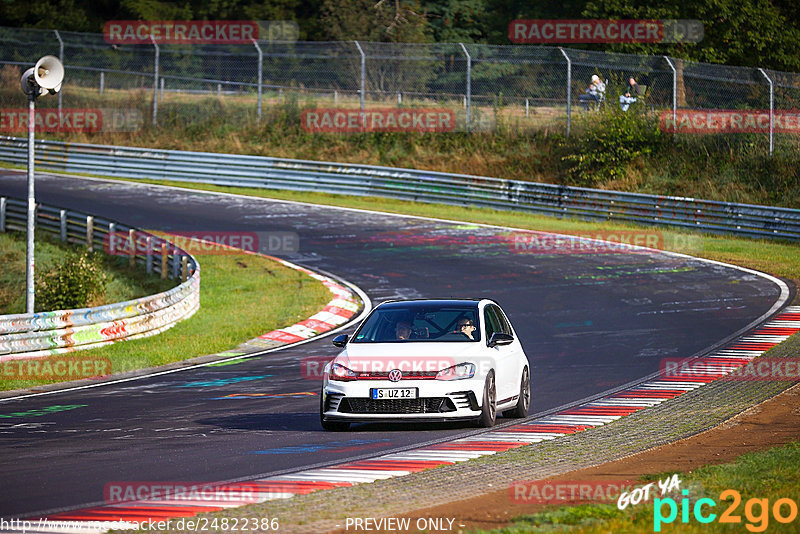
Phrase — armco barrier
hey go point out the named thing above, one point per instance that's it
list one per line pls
(55, 332)
(407, 184)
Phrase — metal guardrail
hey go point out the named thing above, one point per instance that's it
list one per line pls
(56, 332)
(408, 184)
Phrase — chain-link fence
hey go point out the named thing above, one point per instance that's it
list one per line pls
(532, 87)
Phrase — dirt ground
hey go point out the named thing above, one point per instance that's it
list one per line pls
(771, 423)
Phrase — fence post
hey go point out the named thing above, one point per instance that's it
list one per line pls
(162, 88)
(527, 107)
(469, 84)
(102, 81)
(184, 268)
(260, 77)
(363, 72)
(674, 98)
(61, 59)
(155, 80)
(569, 89)
(771, 108)
(3, 203)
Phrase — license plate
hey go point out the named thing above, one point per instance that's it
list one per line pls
(393, 393)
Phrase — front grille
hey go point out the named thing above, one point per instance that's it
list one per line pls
(407, 375)
(397, 406)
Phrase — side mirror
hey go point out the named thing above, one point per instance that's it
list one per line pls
(499, 338)
(340, 340)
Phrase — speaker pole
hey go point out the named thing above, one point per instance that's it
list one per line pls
(31, 291)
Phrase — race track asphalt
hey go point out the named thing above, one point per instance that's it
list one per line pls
(589, 322)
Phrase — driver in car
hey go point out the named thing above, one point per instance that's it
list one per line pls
(402, 330)
(466, 327)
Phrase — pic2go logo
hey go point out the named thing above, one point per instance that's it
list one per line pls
(756, 511)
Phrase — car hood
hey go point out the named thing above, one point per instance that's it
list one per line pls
(414, 356)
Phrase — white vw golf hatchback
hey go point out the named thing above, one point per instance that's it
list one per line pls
(427, 360)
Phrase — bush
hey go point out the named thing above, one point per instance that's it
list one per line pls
(75, 281)
(611, 140)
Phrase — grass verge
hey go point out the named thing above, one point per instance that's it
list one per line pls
(765, 477)
(122, 282)
(241, 297)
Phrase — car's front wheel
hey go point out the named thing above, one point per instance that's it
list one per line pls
(331, 426)
(489, 408)
(524, 401)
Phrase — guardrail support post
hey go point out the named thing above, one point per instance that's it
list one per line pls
(62, 223)
(176, 264)
(469, 83)
(149, 244)
(155, 81)
(363, 73)
(771, 108)
(164, 260)
(260, 77)
(3, 204)
(569, 89)
(674, 98)
(112, 238)
(132, 245)
(89, 232)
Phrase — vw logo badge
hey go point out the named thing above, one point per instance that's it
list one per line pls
(395, 375)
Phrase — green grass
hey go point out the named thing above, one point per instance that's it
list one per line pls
(772, 474)
(122, 282)
(241, 297)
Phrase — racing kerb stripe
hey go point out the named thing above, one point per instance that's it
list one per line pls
(715, 365)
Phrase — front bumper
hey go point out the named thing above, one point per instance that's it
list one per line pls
(437, 400)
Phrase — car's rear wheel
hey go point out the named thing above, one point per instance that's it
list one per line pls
(489, 408)
(524, 401)
(331, 426)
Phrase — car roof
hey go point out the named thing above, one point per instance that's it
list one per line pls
(430, 302)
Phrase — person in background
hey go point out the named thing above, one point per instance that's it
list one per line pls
(594, 93)
(625, 100)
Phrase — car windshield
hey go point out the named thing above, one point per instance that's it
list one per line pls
(420, 322)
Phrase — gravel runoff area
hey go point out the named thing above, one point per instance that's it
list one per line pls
(678, 418)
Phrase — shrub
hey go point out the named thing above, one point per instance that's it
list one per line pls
(611, 140)
(73, 283)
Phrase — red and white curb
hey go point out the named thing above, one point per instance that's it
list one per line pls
(569, 421)
(340, 310)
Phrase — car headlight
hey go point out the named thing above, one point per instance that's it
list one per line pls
(342, 373)
(457, 372)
